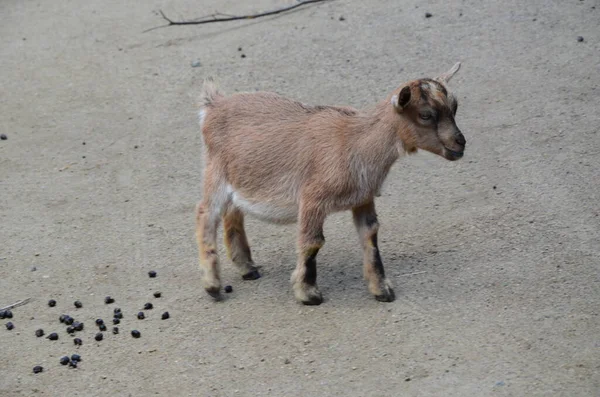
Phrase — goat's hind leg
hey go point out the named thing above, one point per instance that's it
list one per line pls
(236, 242)
(365, 220)
(208, 215)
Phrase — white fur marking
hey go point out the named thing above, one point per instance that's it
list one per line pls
(264, 211)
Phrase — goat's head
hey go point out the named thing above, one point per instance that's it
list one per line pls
(430, 109)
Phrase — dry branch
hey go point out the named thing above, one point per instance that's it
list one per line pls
(19, 303)
(226, 17)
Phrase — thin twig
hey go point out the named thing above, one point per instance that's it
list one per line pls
(19, 303)
(202, 20)
(411, 274)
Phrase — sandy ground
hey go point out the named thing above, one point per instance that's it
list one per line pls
(495, 258)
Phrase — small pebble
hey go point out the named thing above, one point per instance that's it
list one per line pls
(99, 321)
(102, 327)
(99, 336)
(51, 303)
(152, 273)
(428, 15)
(65, 360)
(116, 321)
(75, 357)
(77, 341)
(53, 336)
(37, 369)
(115, 330)
(165, 315)
(148, 306)
(70, 329)
(78, 326)
(10, 326)
(196, 64)
(108, 300)
(141, 316)
(228, 289)
(135, 333)
(39, 333)
(157, 294)
(78, 304)
(580, 38)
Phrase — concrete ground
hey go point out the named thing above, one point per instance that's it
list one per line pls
(495, 258)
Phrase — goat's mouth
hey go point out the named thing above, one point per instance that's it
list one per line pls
(453, 155)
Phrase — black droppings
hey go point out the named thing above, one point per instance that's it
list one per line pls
(157, 294)
(53, 336)
(77, 342)
(117, 310)
(73, 364)
(2, 314)
(135, 333)
(75, 357)
(102, 327)
(39, 333)
(118, 315)
(342, 18)
(228, 289)
(141, 316)
(65, 360)
(116, 321)
(3, 137)
(71, 329)
(108, 300)
(69, 320)
(78, 326)
(239, 48)
(115, 330)
(165, 316)
(99, 321)
(51, 303)
(99, 336)
(10, 326)
(580, 38)
(78, 304)
(62, 318)
(494, 187)
(37, 369)
(243, 55)
(428, 15)
(8, 314)
(148, 306)
(152, 273)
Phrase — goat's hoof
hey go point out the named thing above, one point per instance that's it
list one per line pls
(387, 295)
(214, 292)
(251, 275)
(313, 301)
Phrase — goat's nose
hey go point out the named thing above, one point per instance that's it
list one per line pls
(460, 139)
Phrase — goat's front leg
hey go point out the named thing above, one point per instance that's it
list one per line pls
(365, 220)
(310, 240)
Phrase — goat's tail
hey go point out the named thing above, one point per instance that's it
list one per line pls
(209, 93)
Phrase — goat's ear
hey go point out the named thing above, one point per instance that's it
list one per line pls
(445, 78)
(402, 99)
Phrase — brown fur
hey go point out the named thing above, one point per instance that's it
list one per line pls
(285, 161)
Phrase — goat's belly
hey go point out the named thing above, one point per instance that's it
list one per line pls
(265, 211)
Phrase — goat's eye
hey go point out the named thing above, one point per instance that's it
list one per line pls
(425, 116)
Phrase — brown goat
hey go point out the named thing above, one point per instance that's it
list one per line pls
(284, 161)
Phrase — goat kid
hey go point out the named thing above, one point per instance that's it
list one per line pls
(283, 162)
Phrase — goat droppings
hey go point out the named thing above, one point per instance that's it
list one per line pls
(115, 330)
(148, 306)
(10, 326)
(165, 316)
(53, 336)
(51, 303)
(39, 333)
(116, 321)
(157, 294)
(102, 327)
(65, 360)
(77, 342)
(228, 289)
(428, 15)
(152, 273)
(135, 333)
(99, 321)
(579, 39)
(99, 336)
(37, 369)
(78, 304)
(75, 357)
(141, 316)
(108, 300)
